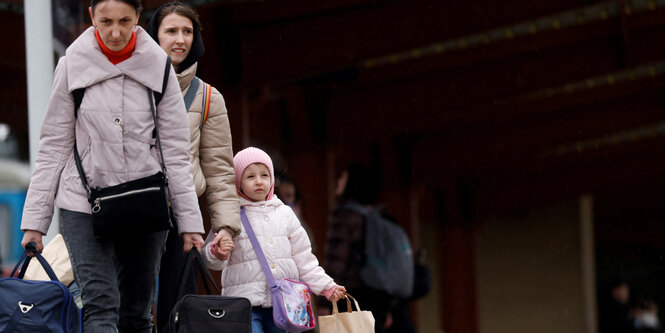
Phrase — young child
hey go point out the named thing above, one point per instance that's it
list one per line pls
(283, 241)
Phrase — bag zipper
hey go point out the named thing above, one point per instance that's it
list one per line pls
(97, 207)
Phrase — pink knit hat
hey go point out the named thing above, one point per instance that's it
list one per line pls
(247, 157)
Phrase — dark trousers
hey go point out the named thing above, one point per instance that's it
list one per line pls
(116, 277)
(170, 276)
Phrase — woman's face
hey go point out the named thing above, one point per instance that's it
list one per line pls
(114, 20)
(175, 34)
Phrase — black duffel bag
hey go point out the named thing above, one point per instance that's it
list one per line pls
(208, 313)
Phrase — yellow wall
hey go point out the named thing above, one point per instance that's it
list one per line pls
(529, 275)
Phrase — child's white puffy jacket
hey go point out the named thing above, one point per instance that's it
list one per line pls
(285, 245)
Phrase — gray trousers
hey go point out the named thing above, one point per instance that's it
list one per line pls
(117, 278)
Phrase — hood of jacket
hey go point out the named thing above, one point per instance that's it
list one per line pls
(196, 50)
(85, 68)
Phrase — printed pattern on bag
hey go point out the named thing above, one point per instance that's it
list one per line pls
(297, 302)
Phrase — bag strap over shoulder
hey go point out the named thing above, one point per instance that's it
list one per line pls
(205, 110)
(191, 92)
(165, 80)
(78, 98)
(152, 95)
(257, 249)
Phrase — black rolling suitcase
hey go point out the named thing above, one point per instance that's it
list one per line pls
(209, 313)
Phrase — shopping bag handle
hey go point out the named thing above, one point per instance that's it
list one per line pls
(348, 304)
(25, 260)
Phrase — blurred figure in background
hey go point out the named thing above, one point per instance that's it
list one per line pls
(345, 245)
(422, 283)
(646, 317)
(615, 308)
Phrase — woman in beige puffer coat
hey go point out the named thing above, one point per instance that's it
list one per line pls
(176, 28)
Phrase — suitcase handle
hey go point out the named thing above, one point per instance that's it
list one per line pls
(31, 248)
(194, 258)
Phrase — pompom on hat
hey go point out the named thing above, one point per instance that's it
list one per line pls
(247, 157)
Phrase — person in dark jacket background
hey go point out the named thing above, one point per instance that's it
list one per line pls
(345, 243)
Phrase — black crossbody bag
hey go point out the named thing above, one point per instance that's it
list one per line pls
(138, 206)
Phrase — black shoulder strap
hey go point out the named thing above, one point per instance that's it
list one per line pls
(78, 98)
(167, 69)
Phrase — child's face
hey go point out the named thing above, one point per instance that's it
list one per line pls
(255, 182)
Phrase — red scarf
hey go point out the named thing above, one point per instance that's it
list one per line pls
(116, 57)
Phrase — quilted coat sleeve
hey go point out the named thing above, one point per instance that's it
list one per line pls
(56, 143)
(174, 137)
(308, 265)
(208, 258)
(216, 159)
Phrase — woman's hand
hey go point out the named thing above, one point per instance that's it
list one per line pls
(33, 236)
(192, 239)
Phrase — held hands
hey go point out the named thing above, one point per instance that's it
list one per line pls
(222, 245)
(337, 294)
(192, 239)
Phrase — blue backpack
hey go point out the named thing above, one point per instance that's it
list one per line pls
(388, 255)
(36, 306)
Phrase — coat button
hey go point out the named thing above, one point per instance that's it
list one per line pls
(272, 266)
(269, 242)
(117, 120)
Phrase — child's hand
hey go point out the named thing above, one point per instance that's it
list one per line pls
(222, 249)
(337, 294)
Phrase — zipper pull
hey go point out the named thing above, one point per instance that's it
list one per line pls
(97, 207)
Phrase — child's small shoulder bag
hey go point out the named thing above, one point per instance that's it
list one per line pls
(291, 300)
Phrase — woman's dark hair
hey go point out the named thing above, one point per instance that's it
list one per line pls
(134, 3)
(363, 184)
(179, 8)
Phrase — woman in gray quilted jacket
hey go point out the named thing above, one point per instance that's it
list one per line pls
(117, 63)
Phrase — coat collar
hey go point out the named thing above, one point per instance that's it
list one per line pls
(274, 202)
(87, 65)
(185, 77)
